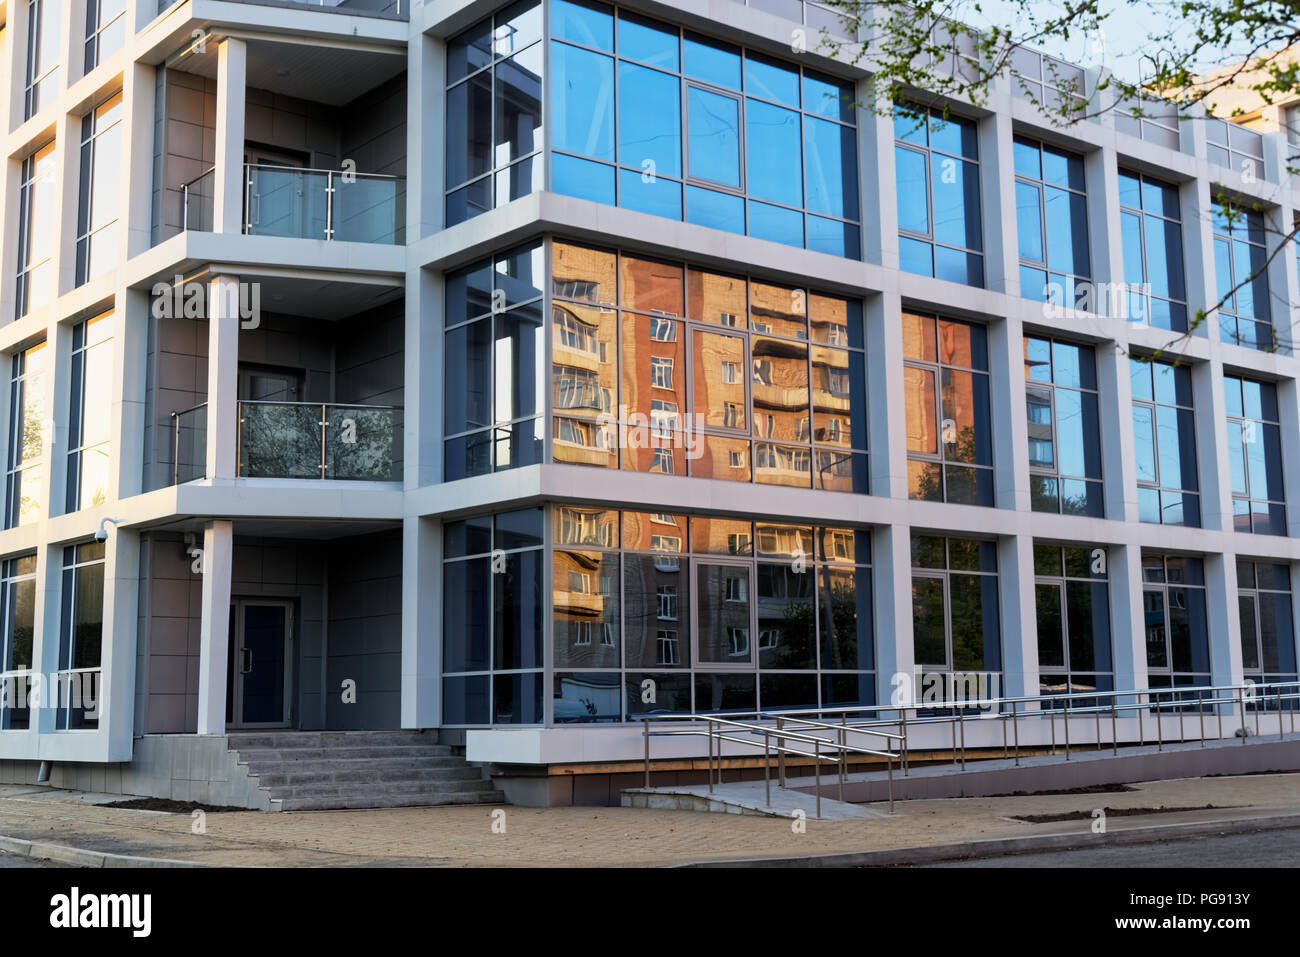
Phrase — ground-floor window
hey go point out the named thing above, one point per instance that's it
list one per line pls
(1268, 647)
(955, 622)
(1175, 622)
(705, 613)
(81, 636)
(492, 619)
(1072, 600)
(17, 629)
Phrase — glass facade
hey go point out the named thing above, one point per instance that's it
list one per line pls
(37, 230)
(662, 367)
(650, 117)
(105, 30)
(43, 39)
(493, 352)
(1061, 409)
(659, 613)
(97, 211)
(955, 624)
(936, 162)
(1072, 599)
(494, 112)
(28, 424)
(81, 635)
(1164, 443)
(492, 654)
(1266, 613)
(17, 631)
(89, 424)
(1177, 630)
(1240, 258)
(1152, 234)
(1255, 456)
(1051, 224)
(946, 395)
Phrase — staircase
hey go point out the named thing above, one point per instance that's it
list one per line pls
(323, 770)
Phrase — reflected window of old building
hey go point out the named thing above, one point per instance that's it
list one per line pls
(946, 396)
(649, 363)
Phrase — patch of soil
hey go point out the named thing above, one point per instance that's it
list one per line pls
(1087, 789)
(1116, 812)
(170, 806)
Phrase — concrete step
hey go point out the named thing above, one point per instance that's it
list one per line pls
(381, 779)
(417, 762)
(427, 799)
(302, 770)
(330, 739)
(341, 754)
(390, 789)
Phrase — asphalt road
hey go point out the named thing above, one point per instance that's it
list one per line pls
(1279, 848)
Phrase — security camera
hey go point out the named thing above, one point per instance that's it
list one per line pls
(101, 536)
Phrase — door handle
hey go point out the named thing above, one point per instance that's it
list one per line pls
(248, 661)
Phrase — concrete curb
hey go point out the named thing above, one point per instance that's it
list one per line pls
(77, 857)
(1000, 847)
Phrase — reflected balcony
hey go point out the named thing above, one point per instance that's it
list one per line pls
(297, 203)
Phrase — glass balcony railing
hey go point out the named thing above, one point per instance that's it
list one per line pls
(305, 440)
(329, 441)
(388, 9)
(190, 444)
(299, 203)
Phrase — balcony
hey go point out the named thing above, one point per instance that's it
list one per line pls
(297, 203)
(298, 440)
(388, 9)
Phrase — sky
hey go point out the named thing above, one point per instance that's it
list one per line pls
(1123, 38)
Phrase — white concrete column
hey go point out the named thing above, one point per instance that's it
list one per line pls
(117, 657)
(214, 632)
(876, 177)
(1118, 469)
(422, 449)
(887, 420)
(425, 122)
(45, 631)
(135, 225)
(998, 201)
(1127, 617)
(422, 600)
(1018, 617)
(1210, 415)
(1007, 413)
(232, 84)
(131, 338)
(891, 574)
(223, 376)
(1223, 618)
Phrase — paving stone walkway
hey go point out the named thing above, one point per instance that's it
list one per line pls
(558, 837)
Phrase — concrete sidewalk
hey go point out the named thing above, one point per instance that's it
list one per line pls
(606, 837)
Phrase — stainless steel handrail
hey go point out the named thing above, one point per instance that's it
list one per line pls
(1262, 696)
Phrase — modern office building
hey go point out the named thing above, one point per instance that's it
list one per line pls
(515, 372)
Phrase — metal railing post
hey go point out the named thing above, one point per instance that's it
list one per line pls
(1065, 726)
(817, 760)
(1241, 701)
(1114, 727)
(324, 431)
(1051, 719)
(954, 737)
(905, 759)
(1200, 711)
(1142, 738)
(780, 753)
(176, 449)
(1097, 716)
(962, 722)
(767, 769)
(710, 726)
(329, 205)
(1160, 729)
(889, 764)
(1280, 735)
(1015, 731)
(647, 752)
